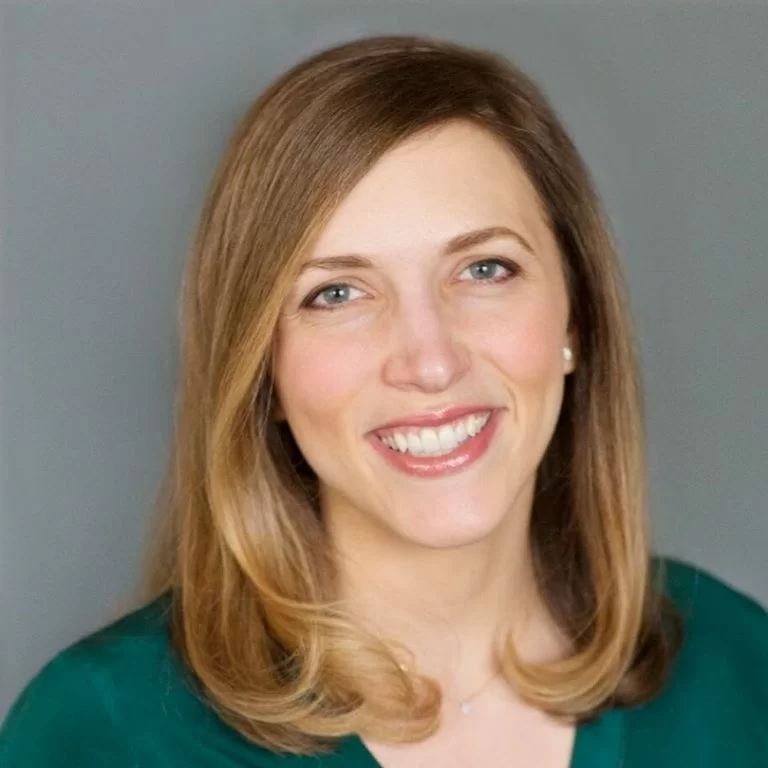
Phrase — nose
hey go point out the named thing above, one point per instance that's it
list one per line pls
(427, 356)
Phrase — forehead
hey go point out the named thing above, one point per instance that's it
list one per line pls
(453, 179)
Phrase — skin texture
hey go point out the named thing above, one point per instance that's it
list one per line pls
(442, 564)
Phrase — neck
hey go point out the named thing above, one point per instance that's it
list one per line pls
(451, 607)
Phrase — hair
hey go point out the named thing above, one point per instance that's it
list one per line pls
(241, 550)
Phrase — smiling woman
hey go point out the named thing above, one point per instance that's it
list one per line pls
(405, 520)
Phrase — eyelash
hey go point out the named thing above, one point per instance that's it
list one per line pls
(510, 266)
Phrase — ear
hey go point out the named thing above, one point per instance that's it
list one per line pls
(571, 342)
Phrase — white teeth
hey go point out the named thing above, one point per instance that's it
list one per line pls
(402, 442)
(436, 442)
(430, 443)
(447, 437)
(414, 446)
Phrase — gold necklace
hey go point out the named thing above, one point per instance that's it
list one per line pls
(466, 704)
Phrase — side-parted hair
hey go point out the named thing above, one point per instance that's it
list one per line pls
(241, 549)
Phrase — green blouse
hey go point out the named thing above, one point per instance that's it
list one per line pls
(118, 699)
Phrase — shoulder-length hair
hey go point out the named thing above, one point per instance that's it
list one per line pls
(242, 551)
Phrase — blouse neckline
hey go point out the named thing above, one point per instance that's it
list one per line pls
(597, 744)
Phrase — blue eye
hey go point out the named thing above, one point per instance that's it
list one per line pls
(511, 268)
(337, 294)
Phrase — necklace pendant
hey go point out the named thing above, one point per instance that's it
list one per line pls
(465, 707)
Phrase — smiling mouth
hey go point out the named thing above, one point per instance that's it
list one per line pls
(432, 442)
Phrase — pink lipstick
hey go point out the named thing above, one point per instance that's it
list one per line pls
(462, 456)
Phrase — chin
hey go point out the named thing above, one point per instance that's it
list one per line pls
(441, 531)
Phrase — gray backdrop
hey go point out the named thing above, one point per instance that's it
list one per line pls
(114, 116)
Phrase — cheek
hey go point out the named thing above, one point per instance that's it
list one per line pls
(319, 377)
(524, 343)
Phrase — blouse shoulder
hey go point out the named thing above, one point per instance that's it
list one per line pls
(714, 705)
(119, 697)
(716, 615)
(69, 713)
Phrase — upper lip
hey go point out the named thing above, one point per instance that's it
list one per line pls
(435, 418)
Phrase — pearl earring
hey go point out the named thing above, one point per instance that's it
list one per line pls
(567, 354)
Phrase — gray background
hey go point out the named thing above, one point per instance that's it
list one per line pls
(114, 116)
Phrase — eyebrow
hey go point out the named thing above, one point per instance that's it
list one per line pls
(462, 242)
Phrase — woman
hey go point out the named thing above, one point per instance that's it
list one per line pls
(406, 510)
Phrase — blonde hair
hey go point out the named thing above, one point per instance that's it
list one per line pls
(241, 550)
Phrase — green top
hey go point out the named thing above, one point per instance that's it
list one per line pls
(117, 698)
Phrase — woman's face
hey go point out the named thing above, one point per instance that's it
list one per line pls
(413, 330)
